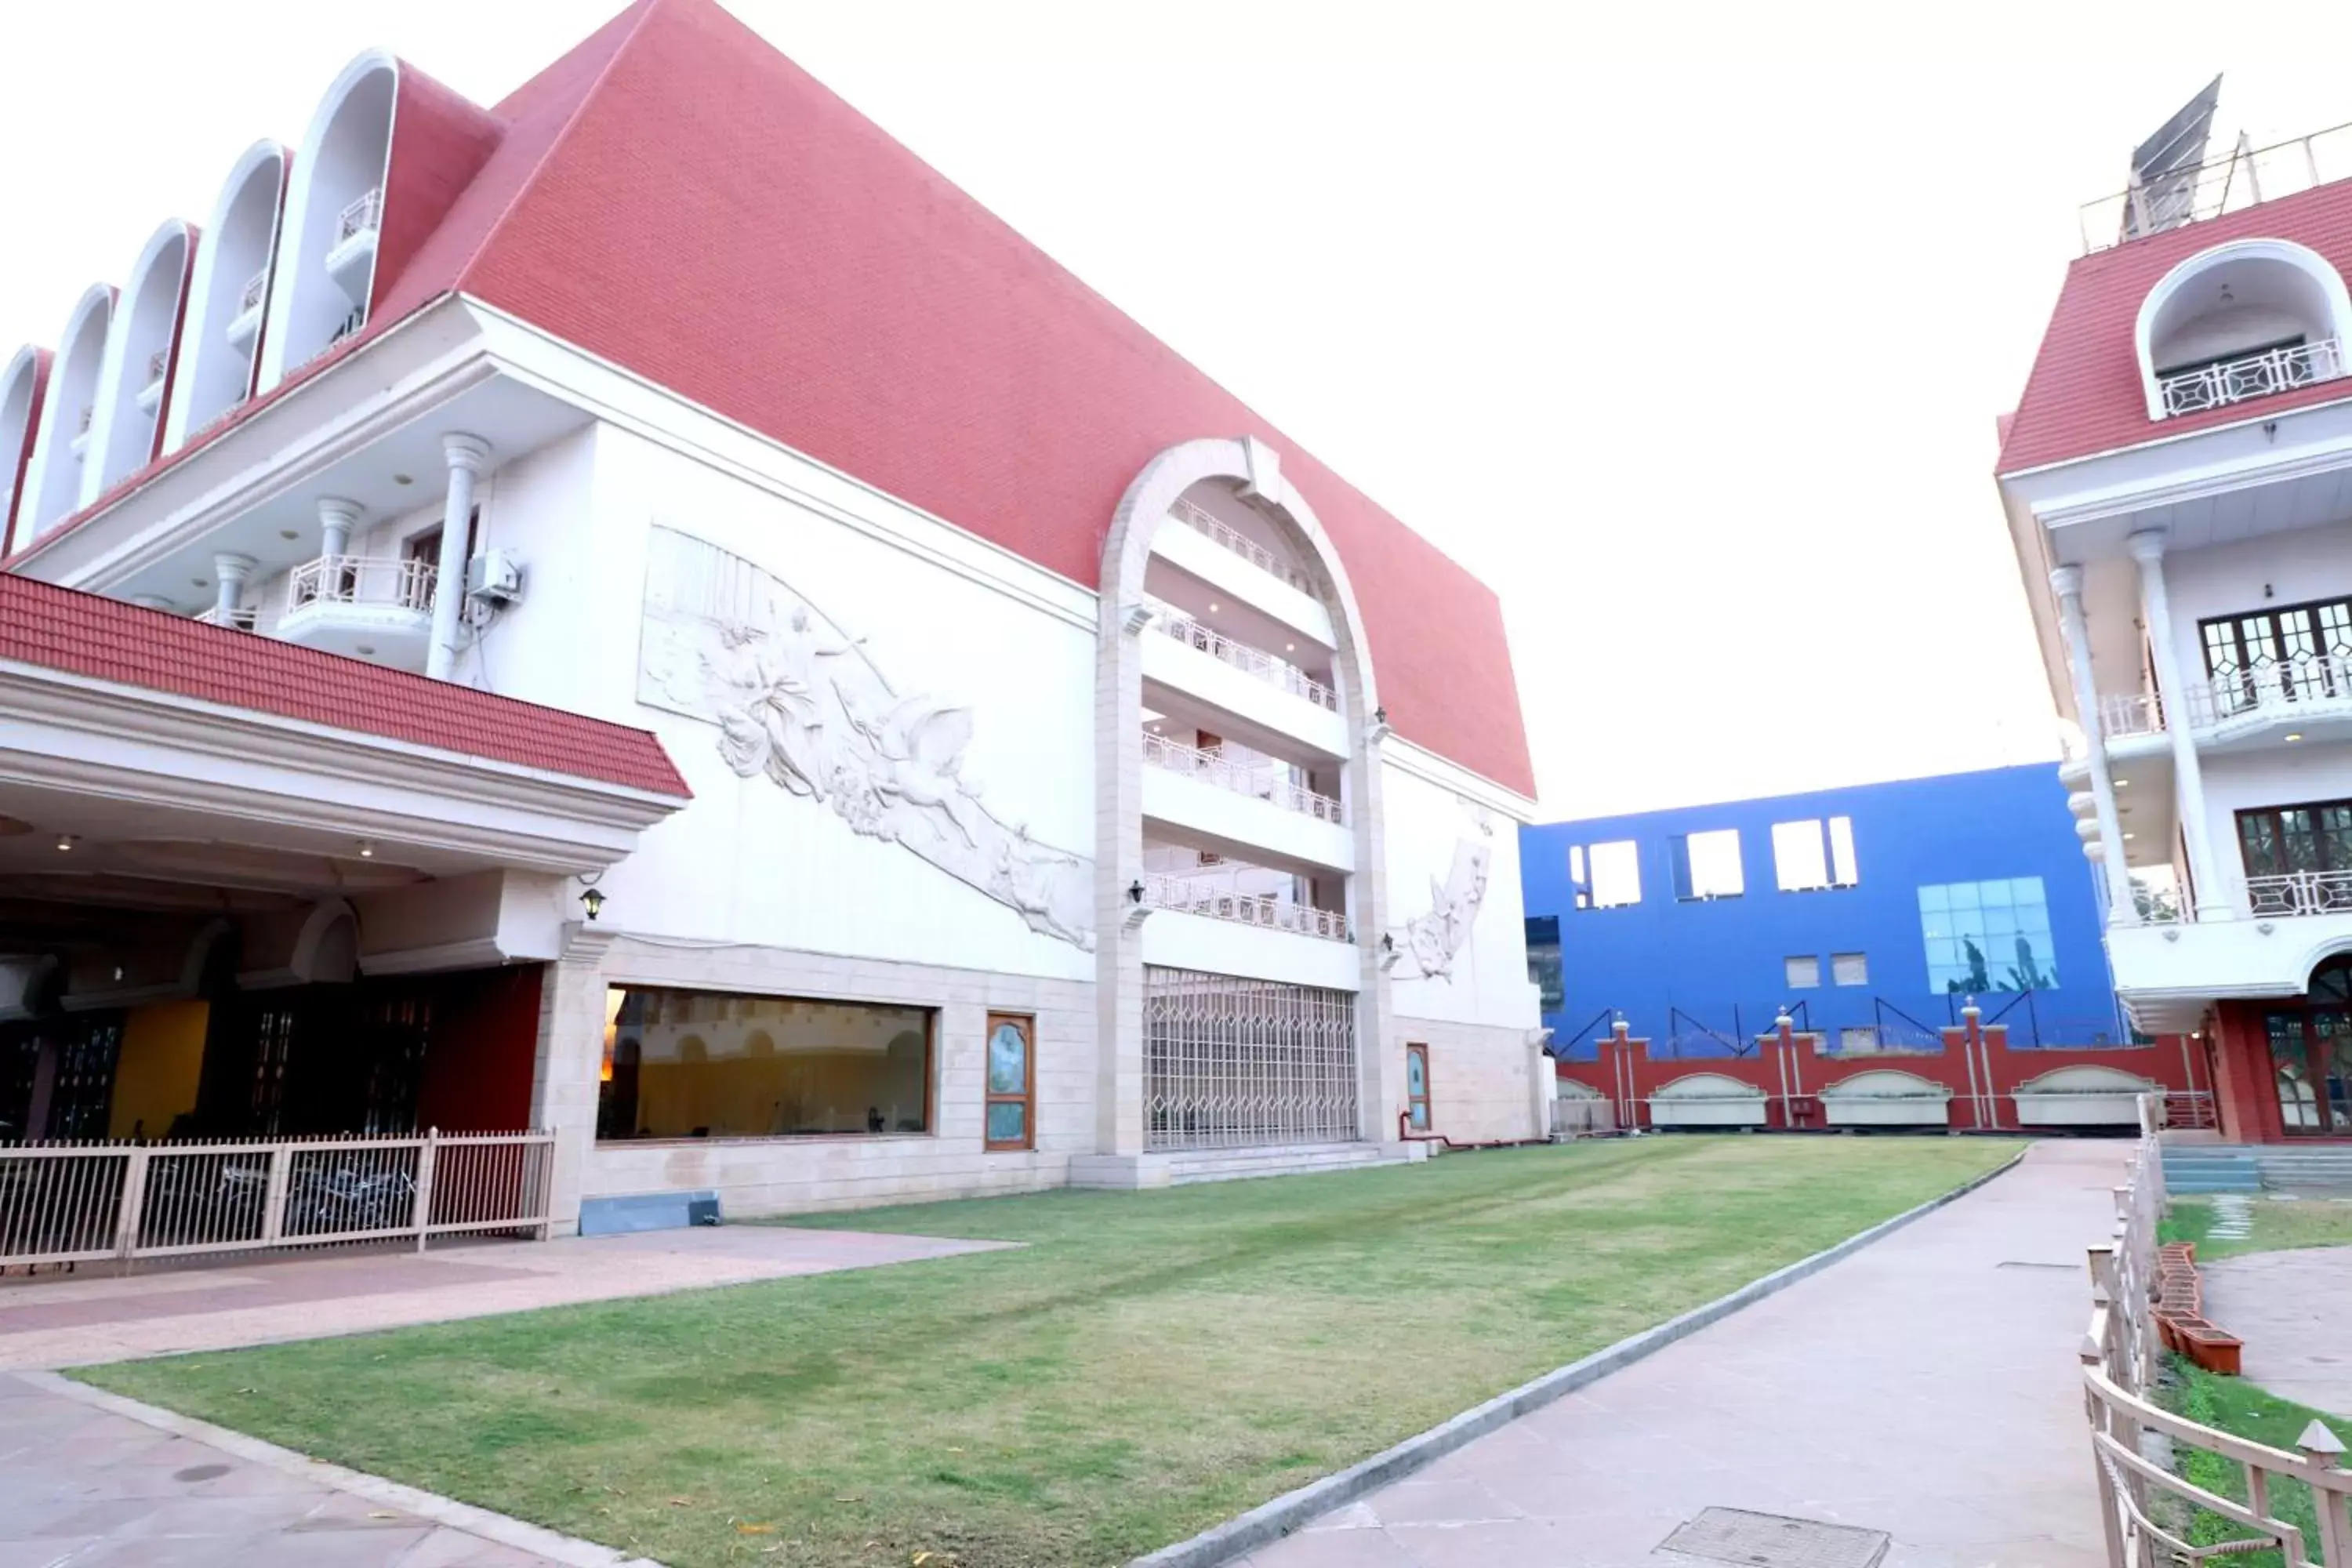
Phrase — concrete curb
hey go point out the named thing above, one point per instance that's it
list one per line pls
(496, 1527)
(1272, 1521)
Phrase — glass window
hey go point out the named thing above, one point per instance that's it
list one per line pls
(1012, 1081)
(1416, 1087)
(1706, 865)
(1850, 968)
(706, 1063)
(1988, 936)
(1804, 972)
(1543, 961)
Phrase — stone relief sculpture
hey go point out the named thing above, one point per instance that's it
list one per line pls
(802, 703)
(1428, 943)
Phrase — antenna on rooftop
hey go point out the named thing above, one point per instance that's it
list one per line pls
(2165, 167)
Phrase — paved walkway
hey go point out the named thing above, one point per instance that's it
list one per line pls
(1926, 1387)
(2294, 1310)
(52, 1321)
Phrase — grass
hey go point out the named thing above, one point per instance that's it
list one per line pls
(2278, 1223)
(1149, 1364)
(2249, 1411)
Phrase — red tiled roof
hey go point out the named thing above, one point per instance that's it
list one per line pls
(676, 197)
(2084, 395)
(107, 639)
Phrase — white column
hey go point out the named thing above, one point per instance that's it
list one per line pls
(230, 575)
(2189, 784)
(336, 520)
(467, 456)
(2068, 583)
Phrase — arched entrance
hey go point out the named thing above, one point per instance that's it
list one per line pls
(2311, 1054)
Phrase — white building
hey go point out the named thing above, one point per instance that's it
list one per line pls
(714, 646)
(2179, 482)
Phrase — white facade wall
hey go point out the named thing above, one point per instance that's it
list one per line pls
(2270, 570)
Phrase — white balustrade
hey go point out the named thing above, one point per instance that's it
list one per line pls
(2130, 714)
(238, 618)
(361, 579)
(1262, 780)
(1173, 622)
(2255, 375)
(1241, 544)
(2300, 893)
(365, 215)
(157, 363)
(257, 289)
(1221, 899)
(2292, 686)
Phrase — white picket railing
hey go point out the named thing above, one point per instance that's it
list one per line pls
(1220, 899)
(1241, 544)
(1173, 622)
(2300, 893)
(362, 216)
(2289, 689)
(1264, 780)
(2130, 714)
(407, 584)
(81, 1203)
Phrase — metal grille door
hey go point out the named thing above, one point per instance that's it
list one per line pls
(1231, 1063)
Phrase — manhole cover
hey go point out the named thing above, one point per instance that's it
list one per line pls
(1769, 1540)
(200, 1473)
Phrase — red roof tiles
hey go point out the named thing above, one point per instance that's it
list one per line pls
(2084, 395)
(106, 639)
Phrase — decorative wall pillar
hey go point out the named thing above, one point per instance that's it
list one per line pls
(2188, 781)
(467, 456)
(566, 1072)
(230, 573)
(2122, 908)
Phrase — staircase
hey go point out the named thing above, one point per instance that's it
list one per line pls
(2256, 1168)
(1186, 1166)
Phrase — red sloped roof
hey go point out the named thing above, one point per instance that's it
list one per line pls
(107, 639)
(676, 197)
(2084, 395)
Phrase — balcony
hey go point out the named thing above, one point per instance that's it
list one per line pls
(246, 325)
(79, 444)
(1265, 701)
(2255, 375)
(1229, 539)
(352, 261)
(240, 618)
(367, 607)
(1257, 781)
(2290, 701)
(1218, 898)
(2300, 893)
(151, 387)
(1256, 663)
(1209, 798)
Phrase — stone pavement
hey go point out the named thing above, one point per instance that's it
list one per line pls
(2294, 1310)
(83, 1485)
(1925, 1386)
(76, 1319)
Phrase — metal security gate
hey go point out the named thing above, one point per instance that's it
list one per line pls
(1231, 1063)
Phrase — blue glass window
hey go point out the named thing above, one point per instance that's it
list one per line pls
(1988, 936)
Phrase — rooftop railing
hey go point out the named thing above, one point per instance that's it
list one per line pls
(1173, 622)
(2230, 182)
(2255, 375)
(1241, 544)
(1262, 780)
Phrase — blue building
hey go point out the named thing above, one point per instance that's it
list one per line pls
(1872, 914)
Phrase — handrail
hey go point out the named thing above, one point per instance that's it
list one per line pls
(1173, 622)
(1241, 544)
(2229, 182)
(405, 583)
(2254, 375)
(157, 363)
(257, 288)
(363, 217)
(1265, 781)
(1206, 897)
(2300, 893)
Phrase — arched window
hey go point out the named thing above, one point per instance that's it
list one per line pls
(2238, 322)
(325, 269)
(22, 386)
(228, 296)
(2331, 983)
(137, 371)
(53, 484)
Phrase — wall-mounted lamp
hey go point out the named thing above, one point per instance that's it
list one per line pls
(593, 900)
(1135, 891)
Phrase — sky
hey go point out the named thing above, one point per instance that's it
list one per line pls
(1684, 326)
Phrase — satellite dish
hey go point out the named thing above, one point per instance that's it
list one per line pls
(2165, 167)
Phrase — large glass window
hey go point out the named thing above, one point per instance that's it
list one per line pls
(2279, 839)
(1543, 961)
(1988, 936)
(709, 1063)
(2291, 653)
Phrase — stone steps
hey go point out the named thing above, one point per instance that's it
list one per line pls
(2242, 1168)
(1188, 1166)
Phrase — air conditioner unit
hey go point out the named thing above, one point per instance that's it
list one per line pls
(495, 578)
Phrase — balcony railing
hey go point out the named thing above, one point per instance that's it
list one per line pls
(238, 619)
(1175, 623)
(365, 215)
(2130, 714)
(404, 584)
(1219, 898)
(82, 421)
(2255, 375)
(257, 289)
(1241, 544)
(1262, 780)
(2229, 182)
(2285, 690)
(2300, 893)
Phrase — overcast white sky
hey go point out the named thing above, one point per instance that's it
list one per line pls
(1684, 326)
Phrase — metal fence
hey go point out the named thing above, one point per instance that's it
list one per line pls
(2148, 1506)
(81, 1203)
(1231, 1063)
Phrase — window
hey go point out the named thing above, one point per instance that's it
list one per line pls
(2279, 839)
(1804, 972)
(1606, 876)
(1543, 961)
(708, 1064)
(1012, 1081)
(1416, 1087)
(2288, 654)
(1849, 969)
(1805, 857)
(1706, 865)
(1988, 936)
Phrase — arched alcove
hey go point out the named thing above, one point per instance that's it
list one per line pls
(2241, 321)
(137, 371)
(325, 268)
(23, 387)
(228, 295)
(53, 484)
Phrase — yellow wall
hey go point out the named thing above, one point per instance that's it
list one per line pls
(156, 1079)
(802, 1091)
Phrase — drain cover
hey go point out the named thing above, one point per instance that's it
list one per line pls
(1769, 1540)
(200, 1473)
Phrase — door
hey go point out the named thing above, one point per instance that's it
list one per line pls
(1416, 1087)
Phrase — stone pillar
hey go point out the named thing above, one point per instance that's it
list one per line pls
(230, 573)
(566, 1074)
(336, 520)
(2122, 908)
(1380, 1045)
(467, 455)
(2155, 611)
(1543, 1084)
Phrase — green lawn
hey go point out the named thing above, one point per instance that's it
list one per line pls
(1149, 1364)
(2249, 1411)
(2278, 1223)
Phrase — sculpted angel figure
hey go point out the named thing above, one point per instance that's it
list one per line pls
(919, 749)
(775, 702)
